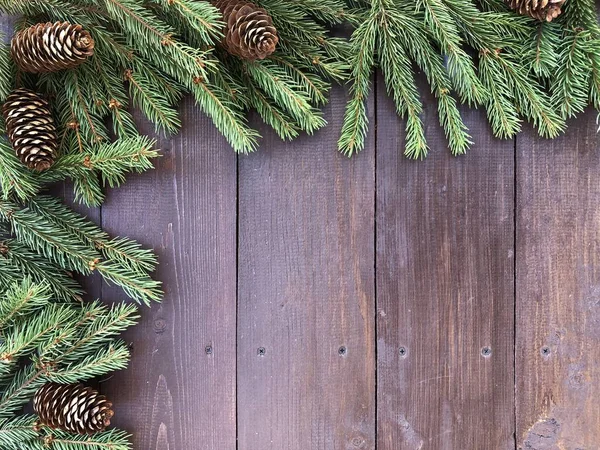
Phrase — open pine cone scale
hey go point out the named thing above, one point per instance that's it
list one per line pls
(543, 10)
(30, 128)
(72, 407)
(49, 47)
(249, 31)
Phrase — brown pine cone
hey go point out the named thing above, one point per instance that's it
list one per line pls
(249, 31)
(543, 10)
(48, 47)
(30, 129)
(72, 407)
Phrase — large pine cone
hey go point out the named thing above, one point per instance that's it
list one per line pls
(30, 129)
(48, 47)
(72, 407)
(544, 10)
(249, 31)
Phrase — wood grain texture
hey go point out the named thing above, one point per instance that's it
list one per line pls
(444, 289)
(179, 391)
(558, 289)
(306, 353)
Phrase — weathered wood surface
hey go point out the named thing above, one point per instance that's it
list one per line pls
(558, 289)
(315, 302)
(179, 392)
(445, 300)
(306, 342)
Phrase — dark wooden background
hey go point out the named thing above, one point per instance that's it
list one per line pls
(316, 302)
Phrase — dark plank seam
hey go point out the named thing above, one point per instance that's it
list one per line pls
(515, 205)
(237, 294)
(376, 116)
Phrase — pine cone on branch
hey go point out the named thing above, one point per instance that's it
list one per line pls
(30, 129)
(49, 47)
(249, 31)
(543, 10)
(72, 407)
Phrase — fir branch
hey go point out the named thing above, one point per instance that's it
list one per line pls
(139, 286)
(105, 359)
(354, 128)
(440, 23)
(571, 81)
(21, 388)
(101, 323)
(17, 431)
(155, 105)
(271, 114)
(287, 94)
(51, 241)
(6, 69)
(201, 19)
(14, 177)
(21, 300)
(502, 114)
(20, 262)
(112, 161)
(226, 115)
(60, 440)
(400, 83)
(121, 250)
(24, 337)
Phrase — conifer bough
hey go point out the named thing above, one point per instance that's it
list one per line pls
(47, 347)
(478, 53)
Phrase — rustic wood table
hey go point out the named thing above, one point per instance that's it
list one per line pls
(316, 302)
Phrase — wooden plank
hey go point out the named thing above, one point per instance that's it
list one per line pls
(558, 289)
(445, 292)
(306, 362)
(179, 391)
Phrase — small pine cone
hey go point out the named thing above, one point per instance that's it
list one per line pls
(30, 129)
(48, 47)
(249, 31)
(72, 407)
(543, 10)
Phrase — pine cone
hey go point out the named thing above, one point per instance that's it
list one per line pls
(249, 31)
(543, 10)
(30, 129)
(72, 407)
(48, 47)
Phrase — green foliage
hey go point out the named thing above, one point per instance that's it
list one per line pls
(148, 54)
(47, 331)
(43, 340)
(479, 53)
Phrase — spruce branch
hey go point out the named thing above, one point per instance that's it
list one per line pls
(17, 432)
(21, 300)
(19, 262)
(60, 440)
